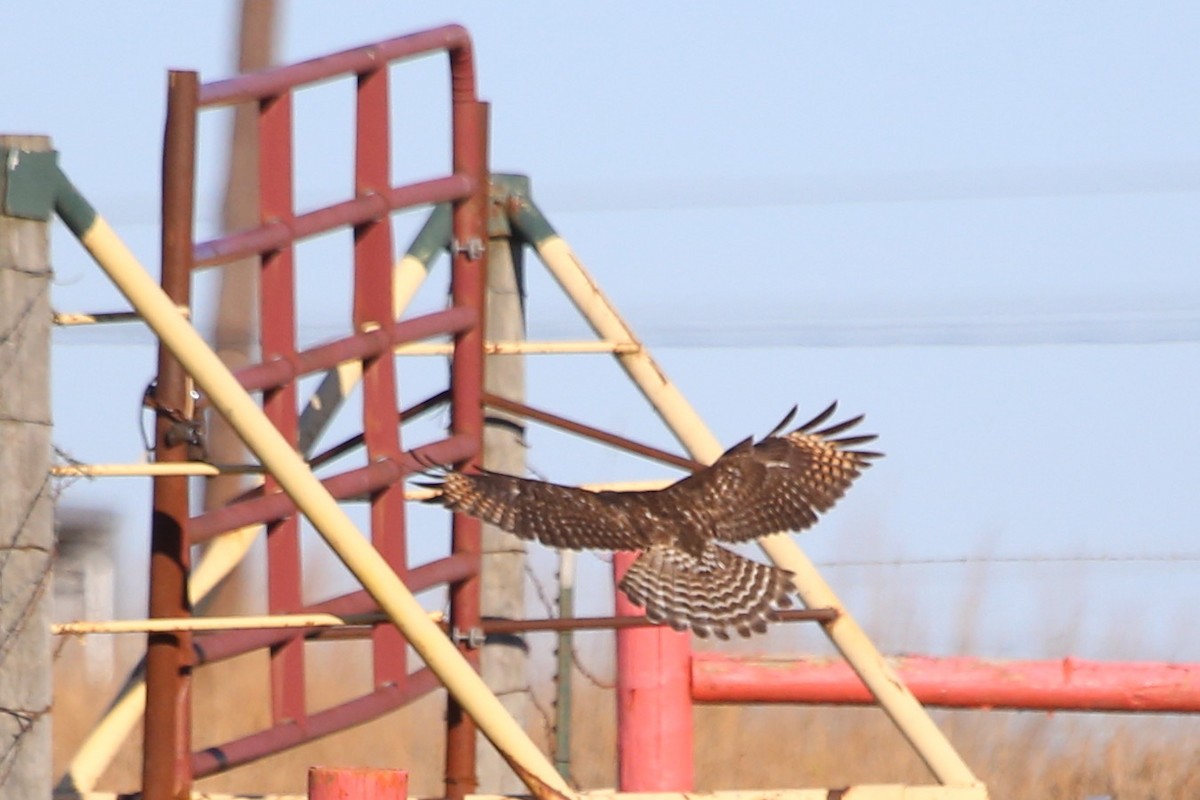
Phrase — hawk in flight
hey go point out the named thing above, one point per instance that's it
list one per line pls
(683, 577)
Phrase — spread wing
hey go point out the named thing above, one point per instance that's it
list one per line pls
(780, 483)
(560, 516)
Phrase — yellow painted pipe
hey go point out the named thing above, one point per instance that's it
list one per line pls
(523, 347)
(896, 700)
(149, 470)
(118, 626)
(295, 478)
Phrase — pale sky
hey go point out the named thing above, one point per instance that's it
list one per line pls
(976, 224)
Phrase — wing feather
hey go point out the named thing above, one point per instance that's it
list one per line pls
(781, 483)
(559, 516)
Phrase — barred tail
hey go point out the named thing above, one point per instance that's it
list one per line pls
(710, 593)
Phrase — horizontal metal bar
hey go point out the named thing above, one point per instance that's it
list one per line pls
(270, 621)
(275, 235)
(68, 319)
(612, 439)
(525, 347)
(219, 758)
(258, 508)
(274, 82)
(614, 486)
(859, 791)
(607, 623)
(211, 647)
(356, 347)
(152, 470)
(1068, 684)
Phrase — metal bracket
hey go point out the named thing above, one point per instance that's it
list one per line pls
(473, 249)
(474, 638)
(30, 183)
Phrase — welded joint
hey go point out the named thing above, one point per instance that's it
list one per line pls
(474, 638)
(473, 248)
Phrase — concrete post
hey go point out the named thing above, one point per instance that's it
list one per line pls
(26, 505)
(503, 561)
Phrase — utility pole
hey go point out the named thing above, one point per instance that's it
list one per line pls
(503, 562)
(27, 176)
(236, 332)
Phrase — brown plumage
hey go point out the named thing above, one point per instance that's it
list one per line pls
(683, 577)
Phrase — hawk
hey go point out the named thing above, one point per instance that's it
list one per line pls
(683, 577)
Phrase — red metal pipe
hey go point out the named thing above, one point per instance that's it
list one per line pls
(1061, 685)
(278, 371)
(353, 483)
(373, 307)
(468, 284)
(272, 82)
(277, 313)
(274, 234)
(654, 702)
(167, 740)
(554, 420)
(360, 783)
(223, 757)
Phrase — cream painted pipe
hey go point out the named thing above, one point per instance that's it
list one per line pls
(294, 477)
(894, 697)
(524, 347)
(71, 318)
(119, 626)
(149, 470)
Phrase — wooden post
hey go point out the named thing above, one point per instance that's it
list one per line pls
(26, 505)
(503, 561)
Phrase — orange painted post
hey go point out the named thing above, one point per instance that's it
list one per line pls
(357, 783)
(654, 702)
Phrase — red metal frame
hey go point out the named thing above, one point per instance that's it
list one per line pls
(169, 764)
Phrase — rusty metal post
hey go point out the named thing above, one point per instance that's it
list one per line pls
(468, 285)
(166, 767)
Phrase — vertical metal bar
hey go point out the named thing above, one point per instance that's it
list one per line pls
(277, 310)
(468, 287)
(566, 665)
(166, 750)
(373, 309)
(654, 702)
